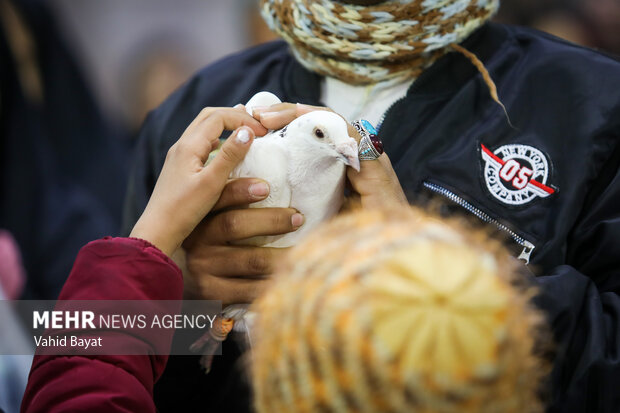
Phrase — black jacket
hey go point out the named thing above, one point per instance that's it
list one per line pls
(554, 174)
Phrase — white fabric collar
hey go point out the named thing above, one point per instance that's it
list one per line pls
(368, 102)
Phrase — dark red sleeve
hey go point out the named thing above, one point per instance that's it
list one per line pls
(107, 269)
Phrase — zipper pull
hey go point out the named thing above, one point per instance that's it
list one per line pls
(528, 248)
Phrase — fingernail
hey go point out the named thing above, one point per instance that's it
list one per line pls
(304, 108)
(297, 220)
(238, 106)
(259, 109)
(243, 136)
(259, 190)
(268, 115)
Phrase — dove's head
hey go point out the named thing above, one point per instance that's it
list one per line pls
(326, 134)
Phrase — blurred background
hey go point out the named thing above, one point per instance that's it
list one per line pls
(77, 78)
(135, 52)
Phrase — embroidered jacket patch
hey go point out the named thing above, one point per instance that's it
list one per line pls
(516, 174)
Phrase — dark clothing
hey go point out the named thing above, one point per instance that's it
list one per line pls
(109, 269)
(62, 170)
(88, 147)
(558, 197)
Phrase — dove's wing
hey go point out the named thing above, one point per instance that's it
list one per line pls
(268, 159)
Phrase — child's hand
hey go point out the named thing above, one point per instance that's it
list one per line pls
(186, 190)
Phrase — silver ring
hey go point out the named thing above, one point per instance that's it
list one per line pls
(366, 150)
(370, 146)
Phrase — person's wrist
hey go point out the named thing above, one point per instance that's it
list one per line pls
(155, 232)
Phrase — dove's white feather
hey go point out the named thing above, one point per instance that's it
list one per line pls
(267, 159)
(305, 171)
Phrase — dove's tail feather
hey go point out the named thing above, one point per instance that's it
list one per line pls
(236, 318)
(235, 311)
(243, 321)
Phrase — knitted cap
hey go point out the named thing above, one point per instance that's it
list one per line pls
(397, 311)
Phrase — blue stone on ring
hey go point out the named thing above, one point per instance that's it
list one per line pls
(368, 126)
(370, 146)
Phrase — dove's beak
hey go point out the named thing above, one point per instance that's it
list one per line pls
(349, 154)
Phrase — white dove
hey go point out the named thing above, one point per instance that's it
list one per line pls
(304, 164)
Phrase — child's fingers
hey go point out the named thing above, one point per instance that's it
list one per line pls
(205, 135)
(231, 153)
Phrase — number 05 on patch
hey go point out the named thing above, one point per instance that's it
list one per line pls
(516, 174)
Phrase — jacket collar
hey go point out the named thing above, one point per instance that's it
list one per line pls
(446, 75)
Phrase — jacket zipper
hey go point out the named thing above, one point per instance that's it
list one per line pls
(419, 82)
(528, 247)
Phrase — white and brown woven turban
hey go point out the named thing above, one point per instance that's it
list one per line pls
(379, 41)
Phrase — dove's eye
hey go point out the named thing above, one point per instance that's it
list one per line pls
(319, 133)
